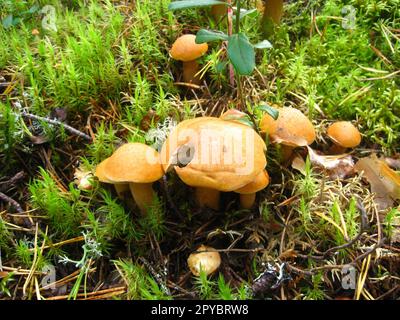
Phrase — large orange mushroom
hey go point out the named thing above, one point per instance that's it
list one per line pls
(214, 155)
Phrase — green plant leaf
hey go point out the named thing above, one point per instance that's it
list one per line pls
(270, 110)
(7, 21)
(187, 4)
(204, 35)
(241, 53)
(244, 13)
(265, 44)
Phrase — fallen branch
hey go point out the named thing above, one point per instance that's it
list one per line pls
(11, 202)
(5, 185)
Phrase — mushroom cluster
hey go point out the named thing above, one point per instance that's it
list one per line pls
(293, 129)
(214, 155)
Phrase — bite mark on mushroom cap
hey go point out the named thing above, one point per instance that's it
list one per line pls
(344, 134)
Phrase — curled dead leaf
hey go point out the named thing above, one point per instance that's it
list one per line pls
(385, 182)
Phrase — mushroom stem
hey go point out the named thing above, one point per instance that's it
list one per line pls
(286, 152)
(121, 189)
(190, 68)
(336, 149)
(273, 10)
(247, 200)
(207, 197)
(143, 194)
(218, 11)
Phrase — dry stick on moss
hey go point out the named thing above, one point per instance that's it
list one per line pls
(59, 123)
(364, 224)
(12, 202)
(5, 185)
(363, 227)
(157, 276)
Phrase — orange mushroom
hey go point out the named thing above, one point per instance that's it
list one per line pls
(248, 192)
(186, 49)
(292, 129)
(217, 156)
(134, 167)
(344, 135)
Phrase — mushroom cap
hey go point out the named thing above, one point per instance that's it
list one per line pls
(132, 162)
(207, 258)
(186, 49)
(221, 155)
(259, 183)
(292, 128)
(344, 134)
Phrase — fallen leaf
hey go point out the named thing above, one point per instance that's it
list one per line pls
(337, 166)
(385, 182)
(299, 164)
(393, 163)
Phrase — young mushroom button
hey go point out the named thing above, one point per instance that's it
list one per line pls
(344, 135)
(188, 51)
(136, 165)
(206, 259)
(292, 129)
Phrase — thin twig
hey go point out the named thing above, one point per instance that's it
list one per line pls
(59, 123)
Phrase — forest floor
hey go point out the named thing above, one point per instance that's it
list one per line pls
(103, 68)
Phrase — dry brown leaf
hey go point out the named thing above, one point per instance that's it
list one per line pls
(299, 164)
(385, 182)
(337, 166)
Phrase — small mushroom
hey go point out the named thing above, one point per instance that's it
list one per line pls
(187, 50)
(205, 258)
(292, 129)
(273, 10)
(224, 156)
(344, 135)
(134, 167)
(248, 192)
(218, 11)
